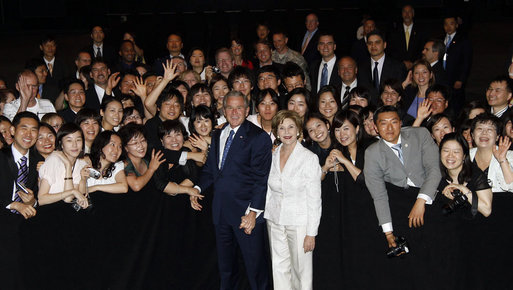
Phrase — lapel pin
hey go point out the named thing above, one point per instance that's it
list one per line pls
(405, 145)
(240, 137)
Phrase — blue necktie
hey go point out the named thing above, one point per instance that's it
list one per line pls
(227, 147)
(21, 179)
(376, 75)
(397, 147)
(449, 39)
(324, 76)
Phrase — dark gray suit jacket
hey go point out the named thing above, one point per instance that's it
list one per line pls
(421, 165)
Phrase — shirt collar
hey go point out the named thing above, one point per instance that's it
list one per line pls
(17, 154)
(433, 63)
(408, 27)
(381, 60)
(51, 61)
(391, 144)
(330, 62)
(228, 128)
(500, 112)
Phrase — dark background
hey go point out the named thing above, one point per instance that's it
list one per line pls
(211, 24)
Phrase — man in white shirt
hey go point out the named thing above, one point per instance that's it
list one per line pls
(498, 96)
(27, 85)
(94, 94)
(325, 72)
(347, 70)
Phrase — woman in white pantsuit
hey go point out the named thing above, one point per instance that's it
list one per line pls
(293, 205)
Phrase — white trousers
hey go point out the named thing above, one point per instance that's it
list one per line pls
(292, 267)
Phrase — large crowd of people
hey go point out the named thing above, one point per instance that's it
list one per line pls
(289, 169)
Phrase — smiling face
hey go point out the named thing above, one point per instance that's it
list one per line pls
(90, 128)
(263, 53)
(267, 109)
(203, 126)
(440, 129)
(389, 126)
(225, 62)
(497, 95)
(438, 103)
(288, 132)
(45, 141)
(235, 111)
(137, 146)
(421, 75)
(75, 96)
(112, 151)
(327, 105)
(113, 114)
(326, 47)
(280, 42)
(6, 133)
(317, 130)
(346, 134)
(359, 101)
(72, 144)
(293, 82)
(99, 73)
(25, 134)
(236, 48)
(347, 70)
(170, 109)
(173, 140)
(268, 80)
(41, 73)
(297, 103)
(220, 89)
(201, 98)
(127, 52)
(452, 155)
(485, 135)
(390, 97)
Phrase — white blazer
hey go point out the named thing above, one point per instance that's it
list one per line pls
(294, 195)
(495, 176)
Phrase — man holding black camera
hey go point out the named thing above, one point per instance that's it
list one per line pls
(402, 173)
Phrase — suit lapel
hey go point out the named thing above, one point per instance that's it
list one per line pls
(217, 137)
(239, 140)
(405, 146)
(10, 162)
(387, 151)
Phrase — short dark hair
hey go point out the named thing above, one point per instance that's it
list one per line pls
(360, 92)
(263, 93)
(350, 116)
(395, 85)
(25, 114)
(86, 114)
(384, 109)
(269, 69)
(126, 41)
(264, 42)
(199, 87)
(506, 79)
(129, 111)
(47, 38)
(327, 89)
(438, 88)
(300, 91)
(438, 46)
(33, 63)
(327, 33)
(96, 154)
(486, 118)
(169, 126)
(437, 118)
(168, 94)
(240, 72)
(65, 130)
(73, 81)
(99, 60)
(197, 48)
(292, 69)
(107, 100)
(377, 33)
(126, 133)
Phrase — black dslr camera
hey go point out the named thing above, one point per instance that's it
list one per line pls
(400, 249)
(459, 201)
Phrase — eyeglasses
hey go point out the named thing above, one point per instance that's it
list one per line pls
(137, 143)
(133, 117)
(242, 81)
(267, 77)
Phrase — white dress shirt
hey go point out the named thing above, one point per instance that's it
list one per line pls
(95, 49)
(42, 107)
(331, 65)
(343, 89)
(380, 61)
(17, 156)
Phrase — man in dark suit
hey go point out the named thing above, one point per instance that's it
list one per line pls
(83, 59)
(359, 50)
(57, 69)
(74, 94)
(325, 71)
(19, 163)
(379, 67)
(98, 48)
(433, 53)
(237, 169)
(406, 41)
(457, 61)
(402, 171)
(498, 97)
(264, 56)
(126, 61)
(347, 70)
(308, 47)
(100, 74)
(174, 46)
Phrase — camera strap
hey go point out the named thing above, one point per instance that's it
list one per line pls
(475, 202)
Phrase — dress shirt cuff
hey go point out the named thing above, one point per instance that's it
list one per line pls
(387, 227)
(258, 211)
(198, 188)
(425, 197)
(183, 159)
(8, 206)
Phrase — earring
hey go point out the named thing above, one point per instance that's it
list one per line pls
(298, 134)
(278, 137)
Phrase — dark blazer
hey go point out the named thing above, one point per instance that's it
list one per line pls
(243, 179)
(55, 81)
(311, 53)
(335, 79)
(10, 222)
(396, 44)
(359, 51)
(440, 74)
(157, 65)
(392, 68)
(109, 53)
(459, 59)
(276, 65)
(124, 67)
(92, 100)
(68, 115)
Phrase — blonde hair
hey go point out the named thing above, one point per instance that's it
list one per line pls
(285, 114)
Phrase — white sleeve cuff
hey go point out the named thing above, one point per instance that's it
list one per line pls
(198, 188)
(258, 211)
(425, 197)
(387, 227)
(183, 158)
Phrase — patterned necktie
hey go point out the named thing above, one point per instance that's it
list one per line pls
(98, 52)
(50, 68)
(345, 98)
(227, 147)
(22, 179)
(397, 147)
(376, 75)
(324, 76)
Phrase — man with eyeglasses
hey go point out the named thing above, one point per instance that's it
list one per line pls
(74, 94)
(242, 80)
(27, 86)
(268, 77)
(437, 101)
(100, 74)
